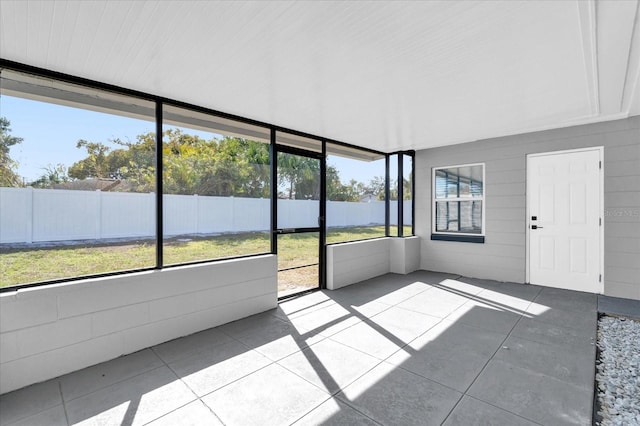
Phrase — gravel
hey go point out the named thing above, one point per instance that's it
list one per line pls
(618, 371)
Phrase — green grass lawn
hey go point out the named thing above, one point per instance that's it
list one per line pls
(22, 266)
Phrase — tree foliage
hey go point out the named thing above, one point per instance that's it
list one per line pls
(8, 175)
(300, 176)
(228, 166)
(53, 175)
(225, 166)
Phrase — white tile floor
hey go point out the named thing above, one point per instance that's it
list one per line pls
(425, 348)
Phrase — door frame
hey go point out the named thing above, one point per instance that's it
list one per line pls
(321, 228)
(600, 150)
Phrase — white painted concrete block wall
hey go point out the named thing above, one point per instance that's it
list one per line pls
(404, 255)
(52, 330)
(348, 263)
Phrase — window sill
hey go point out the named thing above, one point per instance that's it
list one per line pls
(459, 238)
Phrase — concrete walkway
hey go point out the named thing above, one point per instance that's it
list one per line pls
(425, 348)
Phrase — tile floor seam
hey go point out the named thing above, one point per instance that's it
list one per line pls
(331, 394)
(236, 380)
(518, 367)
(172, 411)
(115, 383)
(311, 410)
(212, 412)
(248, 348)
(427, 378)
(418, 312)
(411, 341)
(431, 287)
(539, 374)
(219, 327)
(564, 308)
(369, 319)
(371, 355)
(348, 403)
(295, 315)
(478, 298)
(405, 299)
(485, 367)
(185, 404)
(340, 388)
(579, 311)
(119, 381)
(275, 360)
(417, 375)
(472, 325)
(374, 315)
(158, 356)
(502, 409)
(184, 383)
(555, 324)
(549, 344)
(193, 353)
(13, 422)
(453, 409)
(360, 350)
(64, 404)
(339, 331)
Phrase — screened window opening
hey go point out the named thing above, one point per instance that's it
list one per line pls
(407, 195)
(92, 184)
(458, 203)
(77, 181)
(216, 187)
(355, 194)
(394, 195)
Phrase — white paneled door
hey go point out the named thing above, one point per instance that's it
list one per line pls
(564, 219)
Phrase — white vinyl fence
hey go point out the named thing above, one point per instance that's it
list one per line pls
(36, 215)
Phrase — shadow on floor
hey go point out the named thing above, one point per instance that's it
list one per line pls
(424, 348)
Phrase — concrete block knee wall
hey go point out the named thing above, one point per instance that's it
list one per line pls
(356, 261)
(53, 330)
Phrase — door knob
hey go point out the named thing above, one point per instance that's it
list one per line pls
(536, 227)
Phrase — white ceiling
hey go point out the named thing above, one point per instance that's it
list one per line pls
(385, 75)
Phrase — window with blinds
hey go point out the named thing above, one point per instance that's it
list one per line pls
(458, 201)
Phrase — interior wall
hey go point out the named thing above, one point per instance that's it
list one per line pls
(56, 329)
(502, 256)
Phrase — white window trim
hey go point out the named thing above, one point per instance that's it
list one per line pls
(434, 199)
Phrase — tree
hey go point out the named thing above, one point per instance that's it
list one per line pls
(407, 184)
(225, 166)
(377, 187)
(52, 175)
(133, 163)
(95, 165)
(336, 191)
(8, 175)
(258, 179)
(229, 166)
(302, 174)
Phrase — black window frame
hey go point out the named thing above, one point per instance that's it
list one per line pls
(159, 102)
(400, 206)
(457, 236)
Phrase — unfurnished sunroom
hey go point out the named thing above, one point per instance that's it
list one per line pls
(169, 167)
